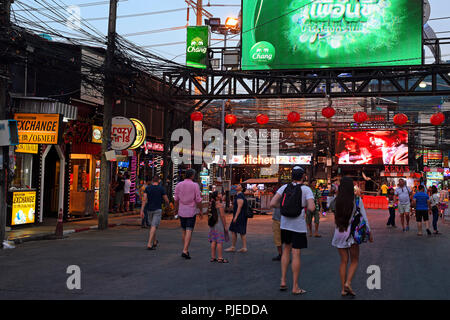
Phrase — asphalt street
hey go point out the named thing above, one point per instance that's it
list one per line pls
(115, 265)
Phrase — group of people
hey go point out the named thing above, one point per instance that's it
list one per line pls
(408, 202)
(292, 235)
(120, 193)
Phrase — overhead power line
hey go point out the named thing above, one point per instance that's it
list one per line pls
(88, 4)
(153, 31)
(164, 44)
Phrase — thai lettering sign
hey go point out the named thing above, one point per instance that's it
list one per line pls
(36, 128)
(197, 46)
(292, 34)
(123, 133)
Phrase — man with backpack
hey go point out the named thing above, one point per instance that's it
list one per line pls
(293, 199)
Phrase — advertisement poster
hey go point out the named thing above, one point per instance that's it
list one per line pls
(372, 147)
(123, 133)
(304, 34)
(197, 46)
(27, 148)
(38, 128)
(23, 207)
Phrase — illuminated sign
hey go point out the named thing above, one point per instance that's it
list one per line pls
(446, 172)
(197, 46)
(38, 128)
(23, 207)
(141, 133)
(283, 160)
(97, 133)
(154, 146)
(292, 34)
(27, 148)
(123, 133)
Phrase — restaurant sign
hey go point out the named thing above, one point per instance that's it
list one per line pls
(37, 128)
(23, 207)
(123, 133)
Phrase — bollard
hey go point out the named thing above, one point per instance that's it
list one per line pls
(59, 225)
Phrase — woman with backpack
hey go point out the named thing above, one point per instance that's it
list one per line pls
(240, 217)
(349, 209)
(217, 231)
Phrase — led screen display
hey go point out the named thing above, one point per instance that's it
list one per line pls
(372, 147)
(305, 34)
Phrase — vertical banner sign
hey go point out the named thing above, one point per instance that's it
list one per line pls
(197, 44)
(305, 34)
(133, 173)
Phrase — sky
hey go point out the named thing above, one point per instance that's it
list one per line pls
(130, 25)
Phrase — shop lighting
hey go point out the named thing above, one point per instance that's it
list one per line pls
(231, 23)
(423, 85)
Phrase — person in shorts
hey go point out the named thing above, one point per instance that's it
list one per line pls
(293, 230)
(316, 214)
(276, 220)
(152, 200)
(422, 203)
(403, 199)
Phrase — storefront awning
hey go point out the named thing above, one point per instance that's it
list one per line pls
(261, 181)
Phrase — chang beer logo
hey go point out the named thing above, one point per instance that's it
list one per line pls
(262, 53)
(197, 46)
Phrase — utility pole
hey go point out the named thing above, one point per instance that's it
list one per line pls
(199, 12)
(5, 9)
(105, 168)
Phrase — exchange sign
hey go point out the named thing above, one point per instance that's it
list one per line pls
(23, 207)
(37, 128)
(296, 34)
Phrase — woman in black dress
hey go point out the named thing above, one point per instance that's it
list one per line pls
(239, 223)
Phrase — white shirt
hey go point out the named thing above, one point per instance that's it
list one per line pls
(297, 224)
(126, 187)
(403, 194)
(434, 199)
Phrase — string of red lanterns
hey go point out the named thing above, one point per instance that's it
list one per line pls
(230, 119)
(360, 117)
(328, 112)
(262, 118)
(293, 116)
(196, 116)
(400, 119)
(437, 119)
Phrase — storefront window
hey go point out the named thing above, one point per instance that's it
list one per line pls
(80, 179)
(23, 172)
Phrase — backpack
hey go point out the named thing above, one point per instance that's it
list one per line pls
(359, 229)
(213, 216)
(291, 201)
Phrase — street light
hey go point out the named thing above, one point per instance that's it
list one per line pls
(232, 23)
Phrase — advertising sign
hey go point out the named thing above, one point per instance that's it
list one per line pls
(27, 148)
(141, 133)
(197, 46)
(283, 160)
(97, 133)
(37, 128)
(446, 172)
(23, 207)
(372, 147)
(304, 34)
(123, 133)
(434, 158)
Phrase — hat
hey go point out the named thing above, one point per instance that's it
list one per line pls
(297, 173)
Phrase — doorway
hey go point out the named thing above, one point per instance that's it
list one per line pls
(51, 184)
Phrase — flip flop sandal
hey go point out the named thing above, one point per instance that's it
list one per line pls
(244, 250)
(213, 260)
(317, 236)
(222, 261)
(301, 291)
(350, 291)
(156, 244)
(283, 288)
(151, 248)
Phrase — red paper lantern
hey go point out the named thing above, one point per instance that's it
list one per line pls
(293, 116)
(196, 116)
(437, 119)
(400, 119)
(360, 117)
(328, 112)
(230, 119)
(262, 118)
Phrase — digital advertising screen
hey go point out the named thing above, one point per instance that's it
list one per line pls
(386, 147)
(306, 34)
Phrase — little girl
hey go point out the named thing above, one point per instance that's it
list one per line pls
(392, 205)
(218, 230)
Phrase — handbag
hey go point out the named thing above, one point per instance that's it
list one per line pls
(359, 229)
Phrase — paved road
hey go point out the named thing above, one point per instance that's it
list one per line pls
(115, 265)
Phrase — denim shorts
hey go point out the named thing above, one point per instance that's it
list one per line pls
(154, 217)
(187, 223)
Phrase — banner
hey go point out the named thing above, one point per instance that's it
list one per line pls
(38, 128)
(293, 34)
(197, 44)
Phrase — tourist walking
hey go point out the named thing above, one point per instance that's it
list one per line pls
(188, 200)
(403, 199)
(347, 206)
(434, 203)
(391, 205)
(276, 220)
(119, 191)
(239, 223)
(316, 214)
(217, 231)
(293, 224)
(421, 202)
(154, 195)
(126, 192)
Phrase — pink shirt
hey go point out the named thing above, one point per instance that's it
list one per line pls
(187, 193)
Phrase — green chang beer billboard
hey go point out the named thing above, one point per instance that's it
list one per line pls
(197, 46)
(307, 34)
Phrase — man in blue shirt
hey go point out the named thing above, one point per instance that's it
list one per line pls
(422, 203)
(154, 195)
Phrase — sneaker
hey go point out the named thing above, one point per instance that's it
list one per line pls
(407, 228)
(429, 232)
(277, 258)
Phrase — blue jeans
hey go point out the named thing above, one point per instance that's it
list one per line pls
(435, 217)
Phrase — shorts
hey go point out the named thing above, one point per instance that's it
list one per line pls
(403, 208)
(154, 217)
(187, 223)
(118, 198)
(297, 239)
(310, 215)
(126, 197)
(421, 214)
(276, 233)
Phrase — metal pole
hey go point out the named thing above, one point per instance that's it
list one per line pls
(107, 116)
(199, 12)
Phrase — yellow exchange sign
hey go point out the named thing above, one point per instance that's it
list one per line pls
(38, 128)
